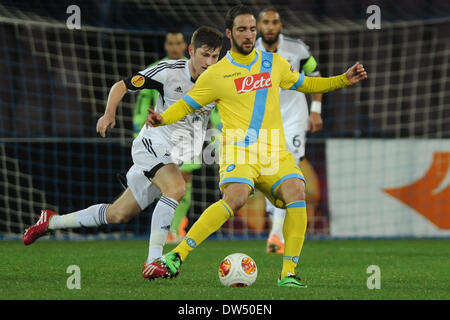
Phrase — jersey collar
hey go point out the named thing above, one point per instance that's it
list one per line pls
(246, 66)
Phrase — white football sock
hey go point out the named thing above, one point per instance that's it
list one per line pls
(269, 207)
(93, 216)
(161, 221)
(278, 216)
(277, 223)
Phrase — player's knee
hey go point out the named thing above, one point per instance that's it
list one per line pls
(236, 203)
(292, 191)
(296, 194)
(176, 192)
(236, 196)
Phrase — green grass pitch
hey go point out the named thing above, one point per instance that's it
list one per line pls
(332, 269)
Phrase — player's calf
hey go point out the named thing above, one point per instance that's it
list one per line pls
(118, 215)
(123, 209)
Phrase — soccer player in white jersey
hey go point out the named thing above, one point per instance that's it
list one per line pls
(157, 152)
(294, 113)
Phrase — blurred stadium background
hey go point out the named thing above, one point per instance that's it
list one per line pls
(382, 159)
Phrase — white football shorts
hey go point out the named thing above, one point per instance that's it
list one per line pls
(295, 142)
(148, 156)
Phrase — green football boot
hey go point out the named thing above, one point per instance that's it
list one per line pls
(167, 266)
(173, 262)
(291, 281)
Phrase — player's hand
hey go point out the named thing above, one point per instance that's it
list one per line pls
(356, 73)
(105, 122)
(153, 119)
(315, 122)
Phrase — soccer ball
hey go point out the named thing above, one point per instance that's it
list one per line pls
(237, 270)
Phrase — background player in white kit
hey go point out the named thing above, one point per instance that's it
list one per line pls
(157, 152)
(294, 112)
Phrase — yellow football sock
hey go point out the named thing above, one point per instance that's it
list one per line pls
(209, 222)
(294, 230)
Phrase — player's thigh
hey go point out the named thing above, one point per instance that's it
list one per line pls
(153, 159)
(237, 183)
(187, 176)
(170, 180)
(288, 175)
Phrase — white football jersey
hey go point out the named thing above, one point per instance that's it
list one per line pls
(172, 79)
(294, 106)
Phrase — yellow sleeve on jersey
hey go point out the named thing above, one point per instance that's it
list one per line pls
(204, 90)
(176, 112)
(322, 85)
(293, 80)
(200, 95)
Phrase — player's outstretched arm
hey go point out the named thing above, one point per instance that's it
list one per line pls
(108, 120)
(174, 113)
(355, 74)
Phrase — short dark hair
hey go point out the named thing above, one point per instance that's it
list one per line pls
(261, 13)
(234, 12)
(174, 31)
(211, 37)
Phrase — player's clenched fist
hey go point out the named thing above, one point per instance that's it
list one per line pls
(105, 122)
(153, 119)
(356, 73)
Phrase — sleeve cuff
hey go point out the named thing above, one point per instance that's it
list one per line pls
(345, 79)
(191, 102)
(299, 82)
